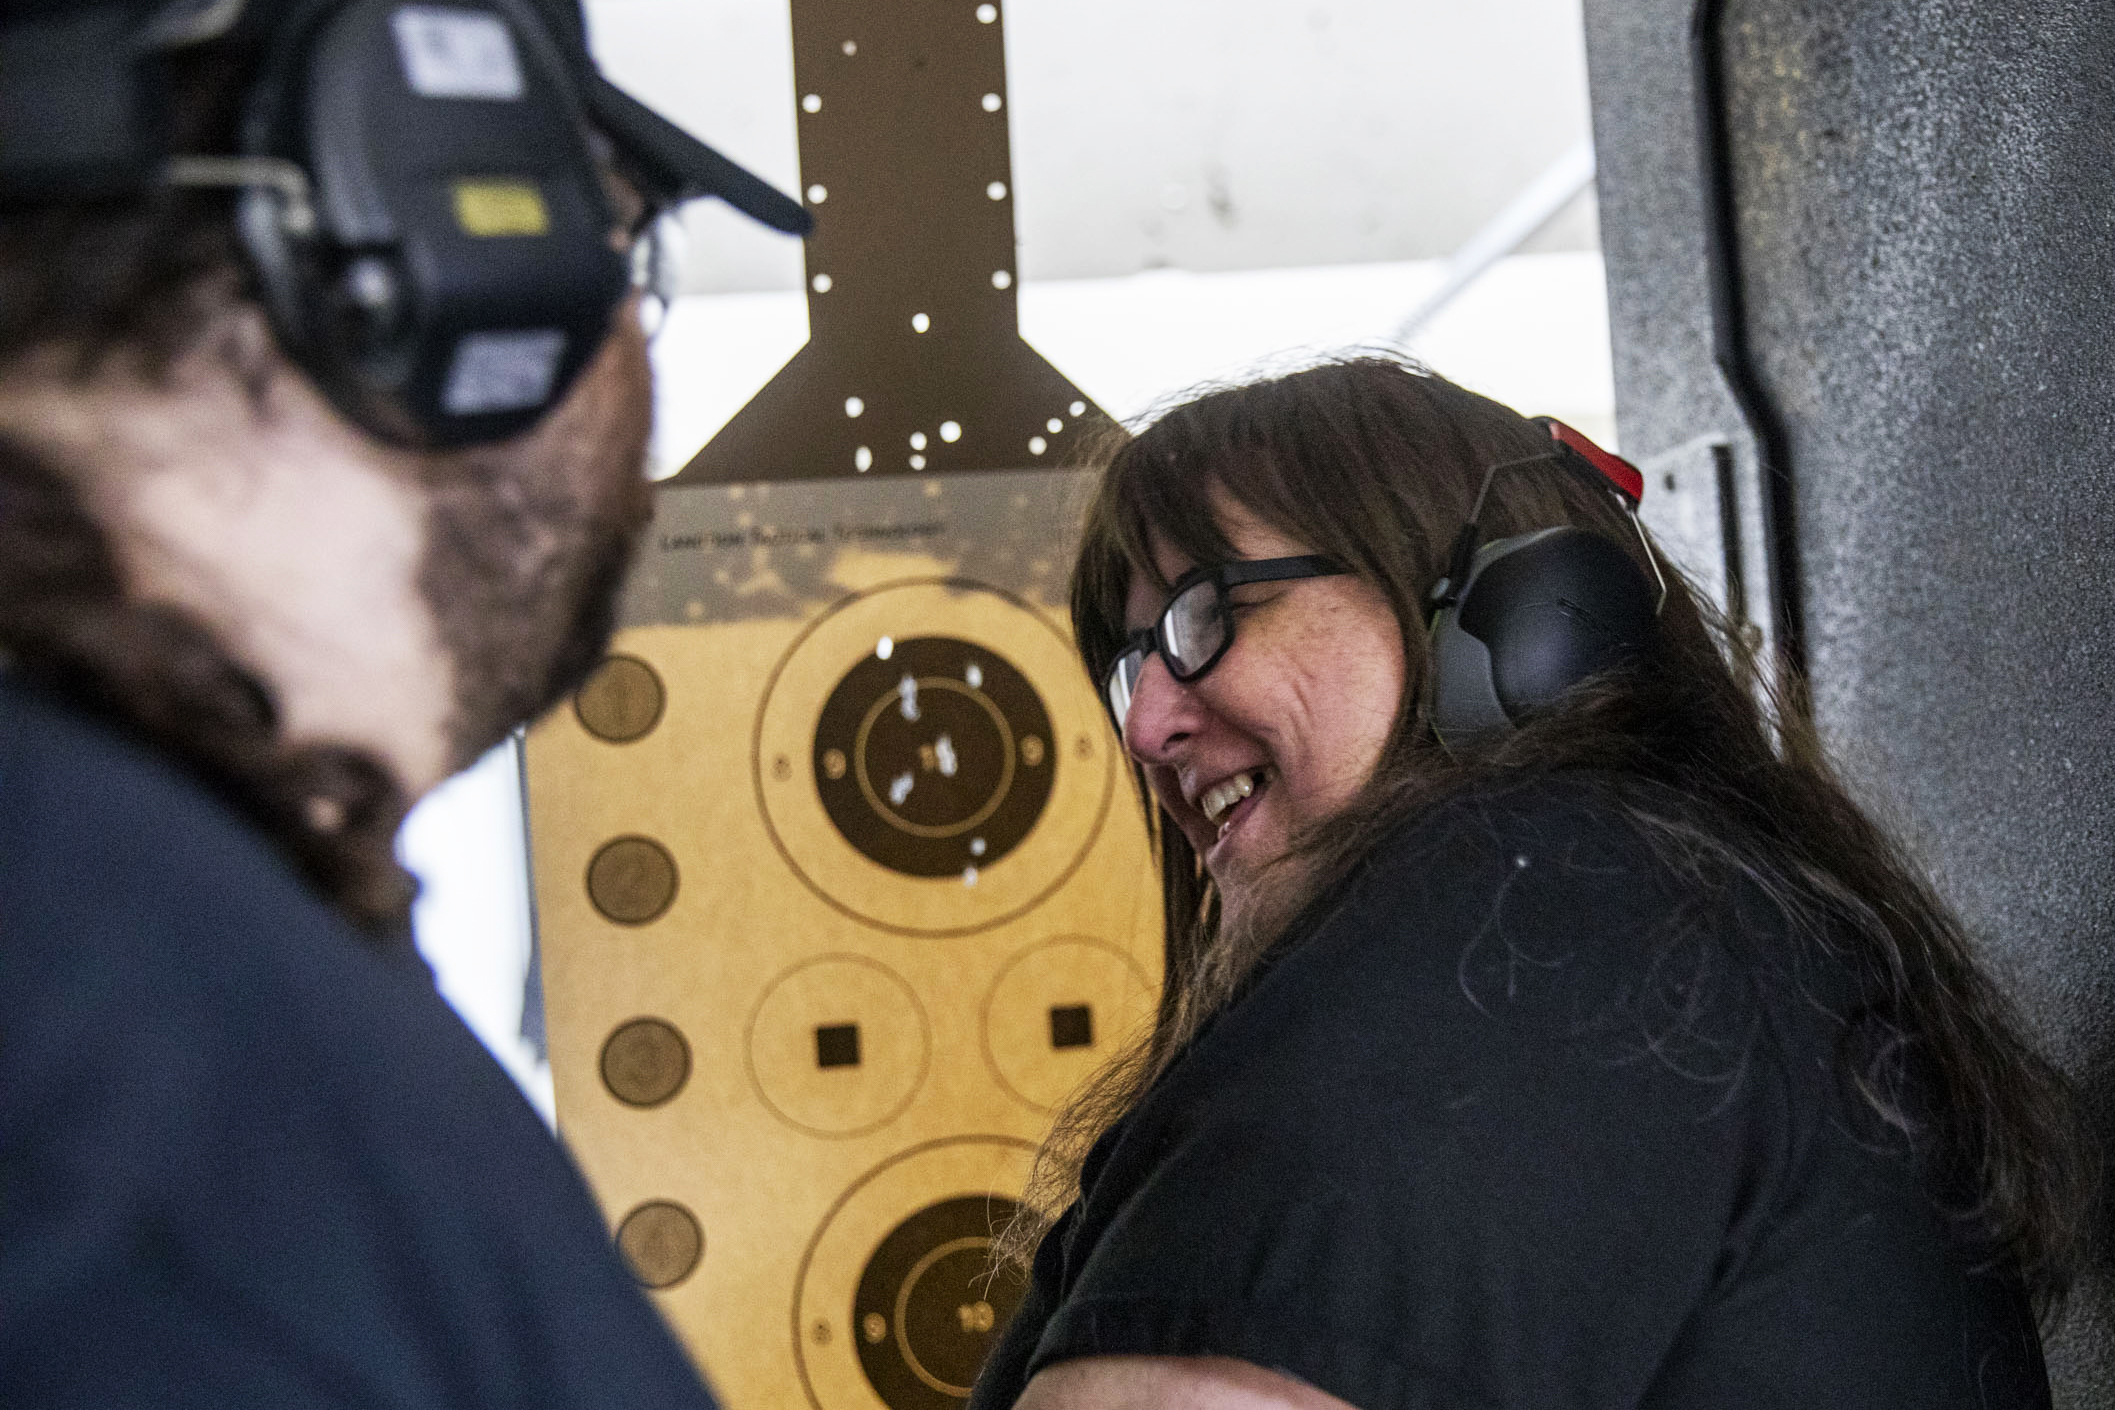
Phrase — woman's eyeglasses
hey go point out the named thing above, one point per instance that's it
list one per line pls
(1197, 626)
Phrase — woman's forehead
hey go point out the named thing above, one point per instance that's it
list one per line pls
(1246, 535)
(1228, 529)
(1170, 560)
(1249, 534)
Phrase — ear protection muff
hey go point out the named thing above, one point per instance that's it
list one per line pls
(1519, 622)
(421, 194)
(453, 269)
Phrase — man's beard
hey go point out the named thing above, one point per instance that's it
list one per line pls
(528, 544)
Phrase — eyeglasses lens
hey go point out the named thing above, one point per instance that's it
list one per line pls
(658, 251)
(1192, 629)
(1123, 678)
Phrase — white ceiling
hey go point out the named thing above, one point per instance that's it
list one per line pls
(1199, 134)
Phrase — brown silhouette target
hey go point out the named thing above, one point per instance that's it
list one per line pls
(631, 880)
(662, 1242)
(933, 760)
(645, 1062)
(929, 1307)
(622, 701)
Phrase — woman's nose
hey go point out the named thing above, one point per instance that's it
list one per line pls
(1163, 713)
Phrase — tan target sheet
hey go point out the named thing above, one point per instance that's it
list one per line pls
(841, 886)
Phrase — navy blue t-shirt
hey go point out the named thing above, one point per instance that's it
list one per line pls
(248, 1160)
(1527, 1119)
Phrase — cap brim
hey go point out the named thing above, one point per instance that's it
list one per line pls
(680, 167)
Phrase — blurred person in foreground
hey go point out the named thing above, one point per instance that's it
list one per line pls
(249, 612)
(1598, 1053)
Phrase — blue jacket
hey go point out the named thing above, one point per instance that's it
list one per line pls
(248, 1159)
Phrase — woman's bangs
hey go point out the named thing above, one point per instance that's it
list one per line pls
(1164, 493)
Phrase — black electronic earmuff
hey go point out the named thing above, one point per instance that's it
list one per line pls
(455, 269)
(419, 200)
(1519, 622)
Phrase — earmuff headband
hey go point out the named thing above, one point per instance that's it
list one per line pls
(1629, 481)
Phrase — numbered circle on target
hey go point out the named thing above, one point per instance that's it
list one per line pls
(896, 1299)
(838, 1046)
(1057, 1012)
(930, 758)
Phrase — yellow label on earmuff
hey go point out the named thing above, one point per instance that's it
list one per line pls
(486, 208)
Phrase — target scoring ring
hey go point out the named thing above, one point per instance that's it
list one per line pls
(929, 759)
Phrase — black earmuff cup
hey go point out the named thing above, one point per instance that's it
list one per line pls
(426, 321)
(1540, 614)
(1554, 608)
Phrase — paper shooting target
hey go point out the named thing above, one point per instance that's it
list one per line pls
(904, 737)
(896, 1298)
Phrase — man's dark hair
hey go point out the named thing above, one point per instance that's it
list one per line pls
(144, 280)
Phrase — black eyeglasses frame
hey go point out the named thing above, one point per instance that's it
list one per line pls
(1147, 641)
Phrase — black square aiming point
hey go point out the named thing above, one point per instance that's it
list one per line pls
(1072, 1026)
(837, 1045)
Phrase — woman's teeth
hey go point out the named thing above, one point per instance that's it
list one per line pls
(1220, 798)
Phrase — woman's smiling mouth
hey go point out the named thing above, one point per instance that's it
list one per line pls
(1221, 803)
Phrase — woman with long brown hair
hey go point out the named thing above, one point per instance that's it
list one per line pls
(1611, 1056)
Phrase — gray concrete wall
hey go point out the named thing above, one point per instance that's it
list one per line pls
(1924, 193)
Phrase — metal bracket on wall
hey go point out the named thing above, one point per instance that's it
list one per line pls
(1691, 505)
(1762, 557)
(1691, 410)
(914, 363)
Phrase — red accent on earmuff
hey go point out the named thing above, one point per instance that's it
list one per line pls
(1626, 477)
